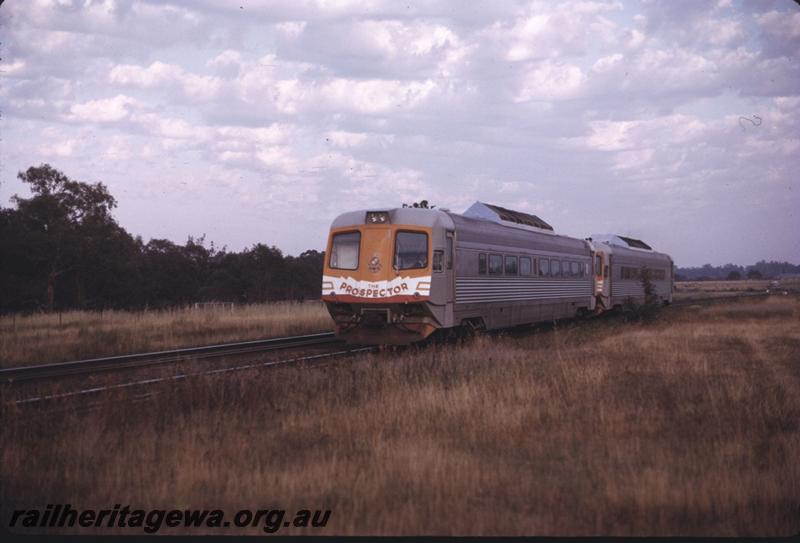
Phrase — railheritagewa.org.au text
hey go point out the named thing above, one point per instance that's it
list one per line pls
(154, 520)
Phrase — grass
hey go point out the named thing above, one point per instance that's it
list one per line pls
(699, 290)
(75, 335)
(685, 426)
(744, 285)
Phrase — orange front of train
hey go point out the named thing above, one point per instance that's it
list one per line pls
(377, 278)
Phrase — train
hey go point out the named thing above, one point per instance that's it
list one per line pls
(396, 276)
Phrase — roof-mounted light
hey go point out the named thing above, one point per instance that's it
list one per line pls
(377, 217)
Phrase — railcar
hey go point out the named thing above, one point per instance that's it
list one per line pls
(395, 276)
(620, 264)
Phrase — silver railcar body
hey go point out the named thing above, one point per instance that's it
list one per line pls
(486, 269)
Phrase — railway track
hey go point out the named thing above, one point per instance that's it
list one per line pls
(143, 383)
(44, 372)
(141, 360)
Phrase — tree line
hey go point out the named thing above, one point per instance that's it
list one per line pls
(62, 249)
(760, 270)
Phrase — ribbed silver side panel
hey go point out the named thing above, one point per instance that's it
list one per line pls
(471, 290)
(624, 288)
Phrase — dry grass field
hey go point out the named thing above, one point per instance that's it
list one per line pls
(689, 425)
(745, 285)
(700, 290)
(81, 334)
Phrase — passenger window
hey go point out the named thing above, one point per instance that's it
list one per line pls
(482, 263)
(511, 265)
(438, 256)
(524, 265)
(555, 268)
(449, 253)
(576, 269)
(544, 267)
(344, 251)
(495, 265)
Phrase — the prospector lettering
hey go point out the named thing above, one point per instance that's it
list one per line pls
(373, 293)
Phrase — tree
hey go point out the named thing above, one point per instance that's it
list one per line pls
(58, 219)
(649, 308)
(734, 276)
(754, 274)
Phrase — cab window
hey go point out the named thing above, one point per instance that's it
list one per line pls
(411, 250)
(344, 250)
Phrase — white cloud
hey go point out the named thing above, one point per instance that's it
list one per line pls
(104, 110)
(549, 30)
(159, 74)
(227, 64)
(344, 139)
(551, 82)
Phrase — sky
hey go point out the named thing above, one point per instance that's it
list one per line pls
(675, 122)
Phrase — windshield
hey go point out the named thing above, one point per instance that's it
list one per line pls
(344, 251)
(411, 250)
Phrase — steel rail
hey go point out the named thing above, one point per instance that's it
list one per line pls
(138, 360)
(275, 343)
(184, 376)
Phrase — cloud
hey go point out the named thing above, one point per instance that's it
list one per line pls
(551, 82)
(105, 110)
(595, 115)
(162, 75)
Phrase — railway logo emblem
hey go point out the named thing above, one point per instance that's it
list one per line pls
(375, 264)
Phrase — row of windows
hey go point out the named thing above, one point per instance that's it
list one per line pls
(525, 265)
(635, 273)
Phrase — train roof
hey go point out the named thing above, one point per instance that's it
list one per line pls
(508, 217)
(398, 215)
(621, 241)
(491, 233)
(632, 247)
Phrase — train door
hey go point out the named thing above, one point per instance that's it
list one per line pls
(450, 266)
(450, 277)
(602, 279)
